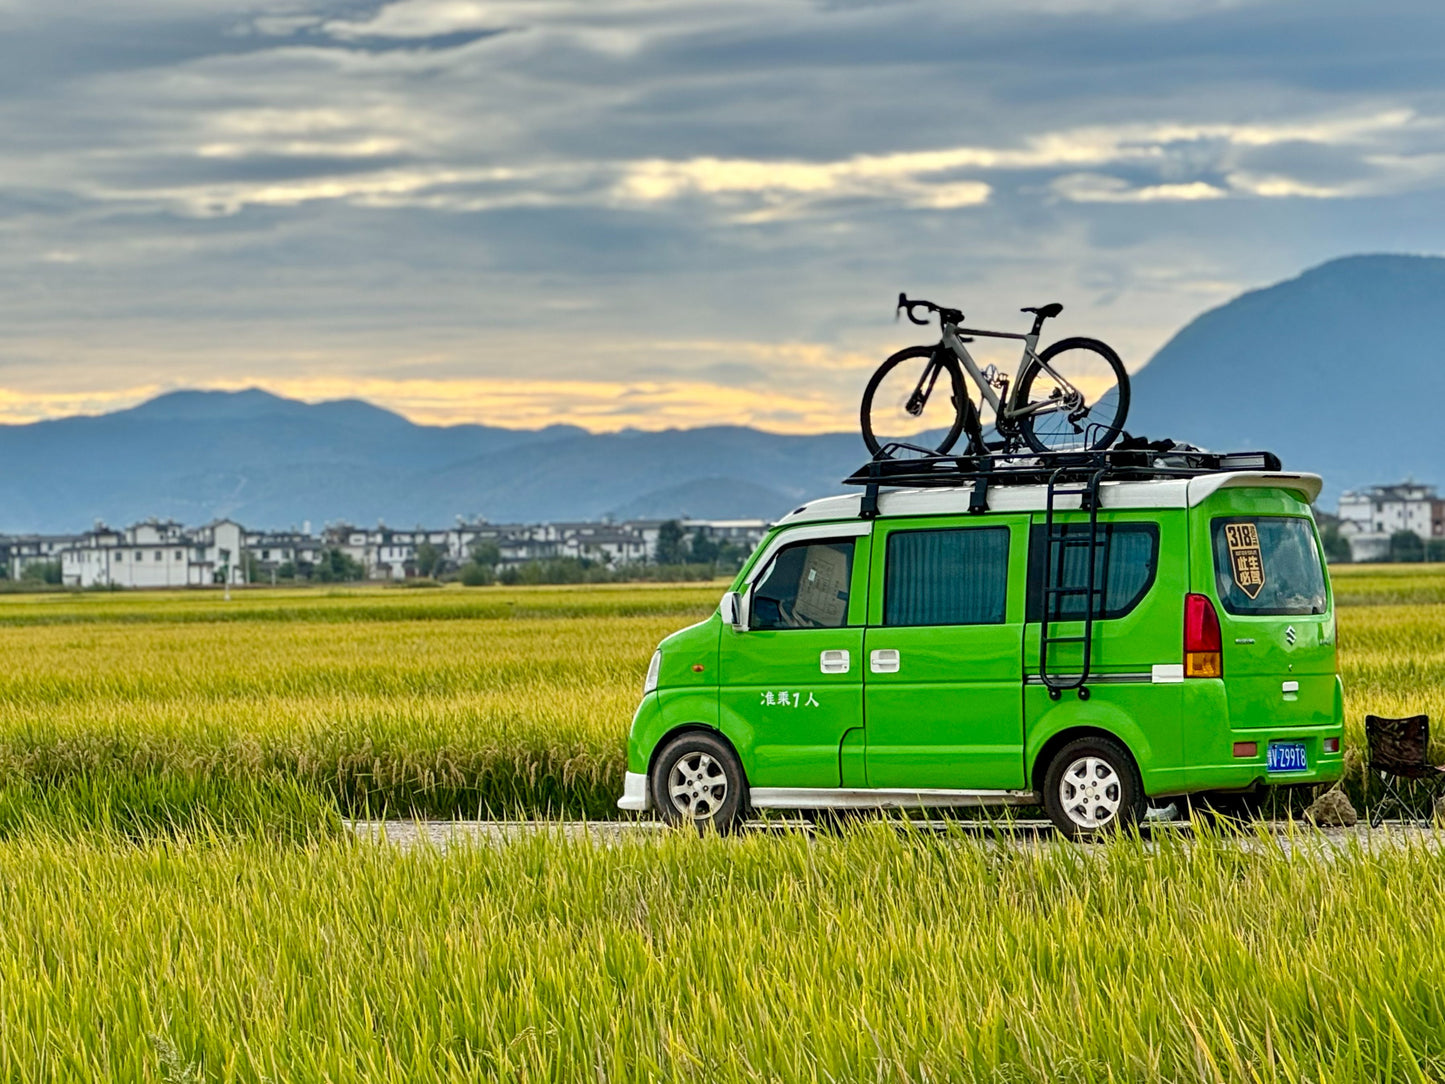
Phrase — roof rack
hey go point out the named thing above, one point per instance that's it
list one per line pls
(925, 469)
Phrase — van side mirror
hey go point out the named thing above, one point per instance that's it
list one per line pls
(731, 608)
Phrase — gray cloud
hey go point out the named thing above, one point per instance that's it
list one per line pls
(201, 192)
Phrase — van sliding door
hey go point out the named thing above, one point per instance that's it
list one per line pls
(943, 705)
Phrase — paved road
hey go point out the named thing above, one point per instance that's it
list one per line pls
(440, 834)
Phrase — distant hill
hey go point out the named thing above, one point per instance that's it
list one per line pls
(273, 462)
(1340, 371)
(1337, 370)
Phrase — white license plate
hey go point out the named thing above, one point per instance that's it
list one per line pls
(1287, 756)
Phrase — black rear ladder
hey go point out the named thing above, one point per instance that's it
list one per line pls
(1057, 542)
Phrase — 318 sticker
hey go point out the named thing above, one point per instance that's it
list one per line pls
(1245, 559)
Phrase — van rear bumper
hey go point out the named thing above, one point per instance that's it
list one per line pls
(1243, 772)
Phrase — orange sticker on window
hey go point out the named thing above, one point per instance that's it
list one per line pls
(1245, 559)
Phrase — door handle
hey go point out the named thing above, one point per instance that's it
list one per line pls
(835, 661)
(883, 661)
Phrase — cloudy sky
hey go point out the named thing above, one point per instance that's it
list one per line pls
(669, 212)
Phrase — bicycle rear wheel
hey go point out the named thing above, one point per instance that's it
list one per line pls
(1092, 424)
(938, 420)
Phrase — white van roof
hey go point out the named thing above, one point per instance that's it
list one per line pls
(1149, 493)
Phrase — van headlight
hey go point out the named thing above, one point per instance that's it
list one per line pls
(650, 682)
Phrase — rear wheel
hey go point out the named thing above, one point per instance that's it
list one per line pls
(1092, 789)
(892, 411)
(698, 780)
(1092, 399)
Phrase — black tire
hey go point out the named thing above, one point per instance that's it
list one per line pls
(717, 797)
(1121, 789)
(1039, 440)
(960, 402)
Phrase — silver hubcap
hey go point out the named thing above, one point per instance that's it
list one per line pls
(1090, 792)
(698, 786)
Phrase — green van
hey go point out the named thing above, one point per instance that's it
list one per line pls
(891, 650)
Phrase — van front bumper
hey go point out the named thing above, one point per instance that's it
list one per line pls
(635, 798)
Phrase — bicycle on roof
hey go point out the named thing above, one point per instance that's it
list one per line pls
(1071, 397)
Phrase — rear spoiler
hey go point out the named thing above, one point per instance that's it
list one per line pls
(1202, 487)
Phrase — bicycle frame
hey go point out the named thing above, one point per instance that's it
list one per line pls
(952, 338)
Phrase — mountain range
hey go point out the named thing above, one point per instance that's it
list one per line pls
(1335, 370)
(273, 462)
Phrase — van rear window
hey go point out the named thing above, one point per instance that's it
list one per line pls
(1268, 565)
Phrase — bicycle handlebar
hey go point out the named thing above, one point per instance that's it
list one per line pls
(947, 316)
(904, 305)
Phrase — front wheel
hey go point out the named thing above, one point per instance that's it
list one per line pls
(1092, 789)
(915, 399)
(697, 780)
(1084, 392)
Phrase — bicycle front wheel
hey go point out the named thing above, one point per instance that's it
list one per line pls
(1082, 392)
(914, 400)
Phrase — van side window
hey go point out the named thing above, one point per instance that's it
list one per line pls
(805, 587)
(946, 577)
(1126, 575)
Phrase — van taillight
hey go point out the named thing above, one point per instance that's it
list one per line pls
(1202, 642)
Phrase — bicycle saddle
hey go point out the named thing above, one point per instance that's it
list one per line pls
(1046, 312)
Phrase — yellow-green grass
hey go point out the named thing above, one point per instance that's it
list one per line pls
(455, 701)
(350, 603)
(180, 904)
(1391, 622)
(435, 702)
(1373, 585)
(878, 955)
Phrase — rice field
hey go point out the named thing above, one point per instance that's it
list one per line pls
(878, 955)
(181, 902)
(453, 702)
(387, 701)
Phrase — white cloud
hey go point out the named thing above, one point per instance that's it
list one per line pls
(1276, 186)
(1099, 188)
(415, 19)
(903, 178)
(432, 18)
(422, 162)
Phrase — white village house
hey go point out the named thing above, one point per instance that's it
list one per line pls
(19, 552)
(155, 553)
(163, 553)
(1368, 517)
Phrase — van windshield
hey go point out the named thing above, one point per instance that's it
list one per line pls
(1268, 565)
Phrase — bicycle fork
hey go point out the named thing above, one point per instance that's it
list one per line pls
(919, 399)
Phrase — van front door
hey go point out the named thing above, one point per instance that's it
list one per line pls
(943, 689)
(791, 684)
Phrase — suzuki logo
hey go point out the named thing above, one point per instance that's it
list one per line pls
(1289, 635)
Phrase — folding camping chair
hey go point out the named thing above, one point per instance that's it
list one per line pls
(1399, 755)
